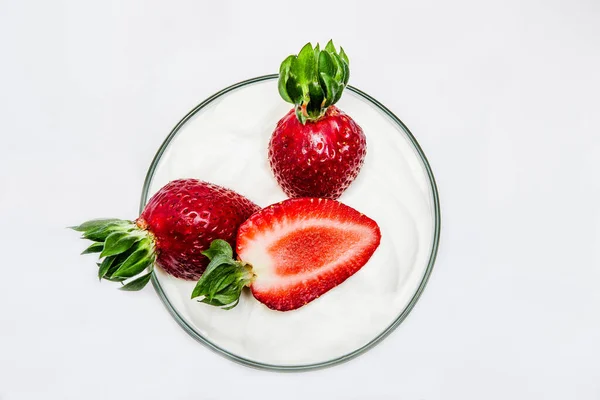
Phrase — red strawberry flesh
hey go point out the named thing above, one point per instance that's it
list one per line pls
(302, 248)
(308, 249)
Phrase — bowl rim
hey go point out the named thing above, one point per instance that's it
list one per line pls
(301, 367)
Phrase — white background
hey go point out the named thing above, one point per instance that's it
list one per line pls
(504, 98)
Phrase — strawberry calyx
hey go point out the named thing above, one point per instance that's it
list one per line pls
(126, 250)
(222, 283)
(313, 80)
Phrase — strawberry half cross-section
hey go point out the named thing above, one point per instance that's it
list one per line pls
(289, 253)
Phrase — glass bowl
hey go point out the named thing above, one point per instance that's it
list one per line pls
(224, 140)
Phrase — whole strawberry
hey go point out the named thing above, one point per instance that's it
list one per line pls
(316, 150)
(177, 225)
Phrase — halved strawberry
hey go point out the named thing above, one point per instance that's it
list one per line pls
(290, 253)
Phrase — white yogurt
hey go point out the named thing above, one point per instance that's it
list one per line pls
(226, 143)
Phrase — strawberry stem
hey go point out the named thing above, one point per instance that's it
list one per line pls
(222, 283)
(126, 251)
(313, 80)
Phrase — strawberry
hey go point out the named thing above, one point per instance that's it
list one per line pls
(177, 225)
(316, 150)
(318, 159)
(289, 253)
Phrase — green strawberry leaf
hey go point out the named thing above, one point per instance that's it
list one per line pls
(125, 249)
(346, 70)
(218, 247)
(293, 89)
(118, 242)
(330, 47)
(100, 233)
(317, 52)
(284, 72)
(104, 267)
(134, 264)
(331, 88)
(304, 67)
(94, 224)
(115, 278)
(94, 248)
(301, 80)
(118, 261)
(222, 282)
(316, 99)
(138, 283)
(343, 55)
(338, 68)
(326, 64)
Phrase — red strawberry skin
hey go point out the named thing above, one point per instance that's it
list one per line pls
(185, 216)
(318, 159)
(302, 248)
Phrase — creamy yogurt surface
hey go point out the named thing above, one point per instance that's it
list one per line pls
(226, 143)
